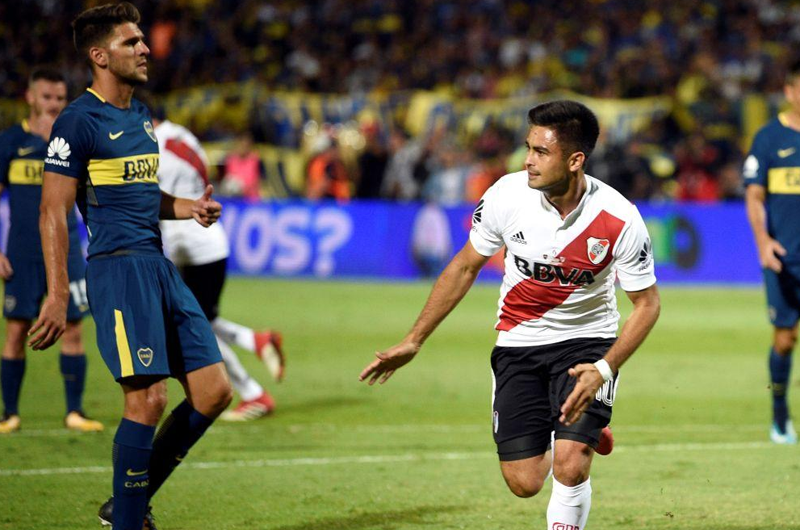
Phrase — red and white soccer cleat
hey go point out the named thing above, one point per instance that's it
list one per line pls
(606, 444)
(262, 406)
(269, 350)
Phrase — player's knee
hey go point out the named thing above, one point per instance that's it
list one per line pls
(572, 470)
(71, 341)
(16, 336)
(524, 479)
(785, 341)
(525, 487)
(220, 398)
(226, 396)
(572, 462)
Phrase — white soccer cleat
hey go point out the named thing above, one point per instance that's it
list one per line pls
(789, 437)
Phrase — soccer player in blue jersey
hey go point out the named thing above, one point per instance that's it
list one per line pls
(103, 151)
(22, 152)
(772, 176)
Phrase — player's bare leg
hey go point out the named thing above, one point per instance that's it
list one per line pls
(73, 369)
(208, 393)
(571, 499)
(12, 372)
(780, 366)
(145, 401)
(525, 478)
(572, 492)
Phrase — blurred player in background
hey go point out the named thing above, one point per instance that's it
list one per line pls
(201, 255)
(773, 207)
(568, 236)
(23, 149)
(104, 153)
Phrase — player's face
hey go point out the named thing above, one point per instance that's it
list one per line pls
(547, 164)
(47, 98)
(127, 53)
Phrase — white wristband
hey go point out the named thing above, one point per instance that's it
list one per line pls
(604, 369)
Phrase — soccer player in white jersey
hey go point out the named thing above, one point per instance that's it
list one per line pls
(202, 255)
(568, 237)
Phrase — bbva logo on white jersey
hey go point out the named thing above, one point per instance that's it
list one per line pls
(597, 249)
(58, 146)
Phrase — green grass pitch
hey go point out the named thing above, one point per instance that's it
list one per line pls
(691, 424)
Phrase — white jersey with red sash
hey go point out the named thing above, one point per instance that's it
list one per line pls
(560, 273)
(183, 173)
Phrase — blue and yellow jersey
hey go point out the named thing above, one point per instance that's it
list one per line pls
(113, 153)
(21, 166)
(774, 162)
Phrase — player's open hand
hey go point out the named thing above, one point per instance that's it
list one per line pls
(50, 325)
(589, 380)
(206, 210)
(769, 255)
(382, 368)
(6, 271)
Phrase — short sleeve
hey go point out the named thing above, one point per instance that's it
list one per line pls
(634, 256)
(5, 157)
(756, 164)
(486, 234)
(71, 145)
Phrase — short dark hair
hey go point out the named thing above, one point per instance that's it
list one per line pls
(574, 124)
(794, 71)
(47, 73)
(95, 24)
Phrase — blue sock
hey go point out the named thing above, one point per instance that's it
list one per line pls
(133, 445)
(11, 372)
(73, 369)
(179, 432)
(780, 366)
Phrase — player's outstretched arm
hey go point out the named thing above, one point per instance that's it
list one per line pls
(204, 210)
(58, 199)
(646, 308)
(449, 289)
(768, 248)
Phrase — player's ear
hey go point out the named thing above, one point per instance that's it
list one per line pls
(98, 56)
(576, 160)
(29, 98)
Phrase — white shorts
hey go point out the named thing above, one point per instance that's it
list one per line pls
(188, 243)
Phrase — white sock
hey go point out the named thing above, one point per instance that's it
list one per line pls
(234, 334)
(569, 506)
(247, 387)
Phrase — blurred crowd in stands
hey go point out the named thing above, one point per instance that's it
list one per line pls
(708, 56)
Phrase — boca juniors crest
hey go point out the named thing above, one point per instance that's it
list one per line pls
(145, 356)
(597, 249)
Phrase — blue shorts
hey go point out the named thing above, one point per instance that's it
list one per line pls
(148, 322)
(28, 285)
(783, 295)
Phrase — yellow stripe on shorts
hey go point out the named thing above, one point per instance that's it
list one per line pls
(123, 349)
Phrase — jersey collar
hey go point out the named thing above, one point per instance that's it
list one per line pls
(591, 188)
(98, 96)
(26, 126)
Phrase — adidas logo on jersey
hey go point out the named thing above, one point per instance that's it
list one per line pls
(58, 146)
(646, 255)
(519, 238)
(476, 215)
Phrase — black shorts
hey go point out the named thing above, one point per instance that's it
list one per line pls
(531, 384)
(206, 282)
